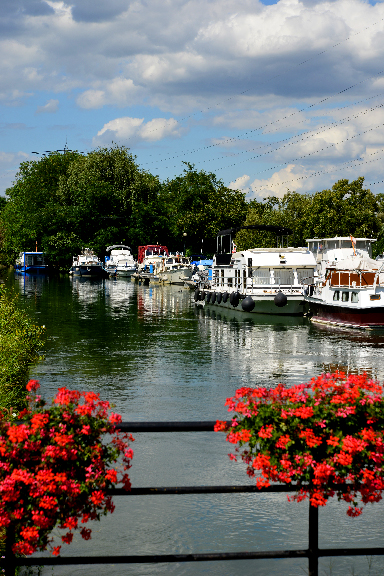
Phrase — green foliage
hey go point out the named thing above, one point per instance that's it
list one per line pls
(67, 201)
(198, 206)
(20, 342)
(64, 202)
(346, 209)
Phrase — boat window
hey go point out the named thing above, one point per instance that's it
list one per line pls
(354, 297)
(304, 274)
(169, 261)
(283, 276)
(336, 295)
(374, 297)
(345, 297)
(229, 281)
(262, 276)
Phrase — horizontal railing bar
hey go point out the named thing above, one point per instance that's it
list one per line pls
(159, 558)
(221, 489)
(207, 557)
(194, 426)
(198, 490)
(351, 552)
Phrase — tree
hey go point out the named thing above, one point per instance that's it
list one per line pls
(198, 205)
(64, 202)
(33, 210)
(346, 209)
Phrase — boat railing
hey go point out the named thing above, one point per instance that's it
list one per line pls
(312, 552)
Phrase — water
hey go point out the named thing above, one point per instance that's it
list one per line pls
(156, 357)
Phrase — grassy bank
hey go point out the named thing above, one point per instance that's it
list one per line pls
(20, 342)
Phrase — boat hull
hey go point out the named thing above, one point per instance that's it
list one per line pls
(372, 317)
(124, 272)
(175, 276)
(88, 271)
(263, 304)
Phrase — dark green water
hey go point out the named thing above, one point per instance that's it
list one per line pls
(156, 357)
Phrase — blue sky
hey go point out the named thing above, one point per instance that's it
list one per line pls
(269, 96)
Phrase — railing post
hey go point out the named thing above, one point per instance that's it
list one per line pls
(313, 541)
(10, 567)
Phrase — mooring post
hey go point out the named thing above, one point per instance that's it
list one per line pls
(10, 566)
(313, 541)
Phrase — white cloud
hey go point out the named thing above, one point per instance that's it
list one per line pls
(119, 92)
(126, 129)
(241, 183)
(289, 178)
(50, 107)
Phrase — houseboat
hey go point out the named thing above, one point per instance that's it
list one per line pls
(31, 263)
(258, 280)
(349, 289)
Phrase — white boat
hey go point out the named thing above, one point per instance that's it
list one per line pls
(87, 265)
(120, 262)
(349, 289)
(175, 269)
(259, 280)
(150, 262)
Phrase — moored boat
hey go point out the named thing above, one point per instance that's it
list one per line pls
(258, 280)
(31, 263)
(120, 262)
(87, 265)
(175, 269)
(349, 290)
(150, 260)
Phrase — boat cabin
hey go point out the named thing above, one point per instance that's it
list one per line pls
(31, 262)
(151, 250)
(266, 269)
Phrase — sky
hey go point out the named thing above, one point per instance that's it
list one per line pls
(269, 96)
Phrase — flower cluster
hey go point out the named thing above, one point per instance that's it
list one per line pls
(54, 467)
(326, 437)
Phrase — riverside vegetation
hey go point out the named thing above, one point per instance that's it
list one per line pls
(20, 342)
(64, 202)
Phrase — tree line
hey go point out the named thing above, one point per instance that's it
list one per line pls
(65, 202)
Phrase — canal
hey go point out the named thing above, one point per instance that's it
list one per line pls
(156, 357)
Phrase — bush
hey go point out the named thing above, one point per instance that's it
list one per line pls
(20, 342)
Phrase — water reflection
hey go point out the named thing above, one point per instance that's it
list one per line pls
(157, 357)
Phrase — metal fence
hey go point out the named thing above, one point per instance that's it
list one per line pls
(312, 552)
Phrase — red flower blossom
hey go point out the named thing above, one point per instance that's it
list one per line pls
(46, 459)
(278, 425)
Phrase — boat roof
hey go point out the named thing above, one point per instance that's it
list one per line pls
(321, 239)
(117, 246)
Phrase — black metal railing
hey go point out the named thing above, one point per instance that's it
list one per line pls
(313, 552)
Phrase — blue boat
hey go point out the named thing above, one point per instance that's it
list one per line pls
(31, 262)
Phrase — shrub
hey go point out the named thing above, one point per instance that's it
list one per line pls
(20, 342)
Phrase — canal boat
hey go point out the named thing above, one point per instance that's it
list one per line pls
(87, 265)
(175, 269)
(120, 262)
(31, 263)
(150, 261)
(349, 289)
(258, 280)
